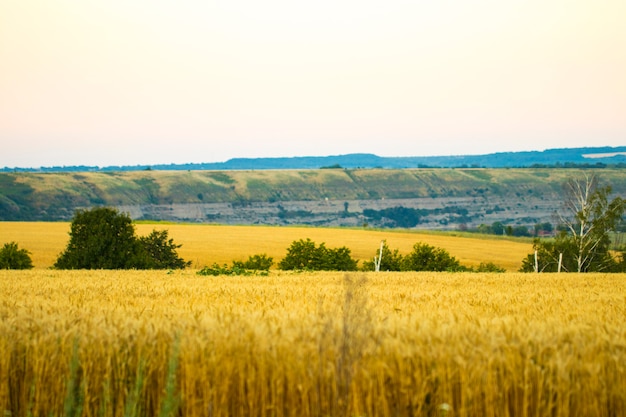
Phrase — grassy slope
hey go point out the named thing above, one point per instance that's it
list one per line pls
(39, 196)
(206, 244)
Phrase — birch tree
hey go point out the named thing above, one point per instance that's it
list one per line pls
(589, 216)
(585, 221)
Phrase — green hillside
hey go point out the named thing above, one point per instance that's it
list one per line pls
(212, 195)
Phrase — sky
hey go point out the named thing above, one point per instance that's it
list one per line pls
(132, 82)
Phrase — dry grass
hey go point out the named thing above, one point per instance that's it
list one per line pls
(104, 342)
(206, 244)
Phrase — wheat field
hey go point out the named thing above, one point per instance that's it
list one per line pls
(147, 343)
(204, 244)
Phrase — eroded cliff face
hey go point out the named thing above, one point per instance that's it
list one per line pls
(437, 212)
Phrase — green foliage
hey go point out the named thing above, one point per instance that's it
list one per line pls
(258, 262)
(489, 267)
(337, 259)
(159, 252)
(499, 228)
(103, 238)
(425, 257)
(100, 238)
(583, 242)
(302, 254)
(11, 257)
(548, 252)
(234, 270)
(407, 217)
(15, 198)
(215, 270)
(396, 216)
(306, 255)
(390, 261)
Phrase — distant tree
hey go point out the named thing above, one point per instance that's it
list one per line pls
(100, 238)
(398, 216)
(12, 257)
(497, 228)
(484, 229)
(306, 255)
(520, 231)
(425, 257)
(103, 238)
(157, 251)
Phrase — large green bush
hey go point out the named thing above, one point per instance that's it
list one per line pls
(103, 238)
(306, 255)
(425, 257)
(12, 257)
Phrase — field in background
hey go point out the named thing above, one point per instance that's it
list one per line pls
(114, 343)
(206, 244)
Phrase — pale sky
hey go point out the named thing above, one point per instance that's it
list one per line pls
(127, 82)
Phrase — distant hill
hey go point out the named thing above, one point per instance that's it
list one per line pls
(426, 198)
(596, 157)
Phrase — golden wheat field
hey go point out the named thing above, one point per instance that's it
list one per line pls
(147, 343)
(207, 244)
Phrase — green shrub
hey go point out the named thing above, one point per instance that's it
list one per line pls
(159, 252)
(256, 264)
(11, 257)
(306, 255)
(216, 270)
(425, 257)
(489, 267)
(391, 261)
(259, 262)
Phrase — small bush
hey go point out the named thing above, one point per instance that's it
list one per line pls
(11, 257)
(259, 262)
(489, 267)
(217, 270)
